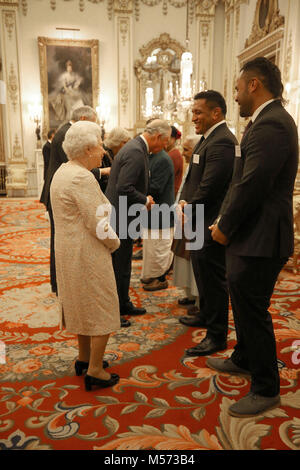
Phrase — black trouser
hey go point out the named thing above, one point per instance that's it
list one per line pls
(52, 252)
(210, 275)
(122, 259)
(251, 283)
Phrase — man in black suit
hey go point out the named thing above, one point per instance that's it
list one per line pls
(207, 181)
(129, 177)
(57, 157)
(256, 224)
(46, 150)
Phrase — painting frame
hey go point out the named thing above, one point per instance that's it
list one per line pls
(53, 55)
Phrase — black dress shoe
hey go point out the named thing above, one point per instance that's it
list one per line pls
(81, 366)
(186, 301)
(132, 310)
(125, 323)
(206, 347)
(100, 383)
(193, 321)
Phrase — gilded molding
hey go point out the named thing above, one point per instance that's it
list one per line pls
(17, 154)
(124, 90)
(206, 7)
(205, 27)
(13, 89)
(9, 21)
(123, 28)
(288, 60)
(265, 21)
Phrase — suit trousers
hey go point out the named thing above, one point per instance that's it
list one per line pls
(52, 252)
(122, 259)
(251, 282)
(210, 275)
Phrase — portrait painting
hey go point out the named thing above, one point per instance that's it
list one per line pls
(69, 78)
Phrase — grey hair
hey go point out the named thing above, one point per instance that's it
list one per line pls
(79, 137)
(116, 136)
(158, 126)
(84, 111)
(192, 139)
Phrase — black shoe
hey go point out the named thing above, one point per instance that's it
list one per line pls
(132, 310)
(125, 323)
(138, 255)
(193, 321)
(90, 381)
(81, 366)
(206, 347)
(186, 301)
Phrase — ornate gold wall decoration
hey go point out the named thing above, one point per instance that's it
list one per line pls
(124, 90)
(204, 33)
(9, 21)
(17, 154)
(13, 89)
(266, 20)
(124, 29)
(288, 60)
(24, 7)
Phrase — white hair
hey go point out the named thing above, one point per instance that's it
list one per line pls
(116, 136)
(84, 112)
(192, 140)
(158, 126)
(79, 137)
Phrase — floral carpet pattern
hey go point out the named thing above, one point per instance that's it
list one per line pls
(164, 400)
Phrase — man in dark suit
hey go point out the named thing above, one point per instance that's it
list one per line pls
(207, 181)
(129, 177)
(46, 150)
(57, 157)
(256, 224)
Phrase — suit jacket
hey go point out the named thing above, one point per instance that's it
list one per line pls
(57, 157)
(106, 162)
(257, 213)
(129, 176)
(209, 175)
(46, 156)
(161, 187)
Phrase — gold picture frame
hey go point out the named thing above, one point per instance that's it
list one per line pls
(69, 72)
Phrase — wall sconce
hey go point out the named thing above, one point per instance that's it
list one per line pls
(35, 115)
(103, 112)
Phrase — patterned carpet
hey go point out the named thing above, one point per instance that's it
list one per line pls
(163, 401)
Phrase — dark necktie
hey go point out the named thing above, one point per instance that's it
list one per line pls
(201, 140)
(247, 129)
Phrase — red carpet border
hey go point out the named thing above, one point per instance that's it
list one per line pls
(164, 400)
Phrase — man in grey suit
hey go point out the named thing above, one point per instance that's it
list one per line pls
(206, 183)
(129, 177)
(256, 224)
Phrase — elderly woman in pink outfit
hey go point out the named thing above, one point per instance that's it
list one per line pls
(84, 241)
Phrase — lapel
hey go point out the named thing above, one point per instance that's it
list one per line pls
(275, 104)
(146, 160)
(200, 147)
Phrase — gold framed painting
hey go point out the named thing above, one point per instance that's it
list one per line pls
(69, 71)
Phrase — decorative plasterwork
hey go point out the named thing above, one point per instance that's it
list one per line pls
(124, 29)
(12, 87)
(288, 60)
(205, 33)
(128, 6)
(9, 21)
(206, 7)
(17, 154)
(124, 90)
(266, 20)
(266, 44)
(164, 42)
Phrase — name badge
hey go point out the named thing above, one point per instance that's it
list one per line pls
(238, 152)
(196, 158)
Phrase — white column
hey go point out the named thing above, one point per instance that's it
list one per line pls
(13, 129)
(123, 10)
